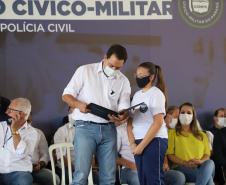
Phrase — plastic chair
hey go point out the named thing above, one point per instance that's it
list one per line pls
(67, 146)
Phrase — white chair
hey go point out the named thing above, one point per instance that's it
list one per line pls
(67, 146)
(119, 174)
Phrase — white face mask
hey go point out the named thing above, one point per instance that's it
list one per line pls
(70, 119)
(185, 119)
(222, 122)
(110, 72)
(173, 123)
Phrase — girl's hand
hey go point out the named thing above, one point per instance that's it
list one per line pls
(137, 150)
(132, 146)
(190, 164)
(196, 161)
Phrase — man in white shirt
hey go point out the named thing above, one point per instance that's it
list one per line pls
(65, 134)
(129, 171)
(17, 144)
(103, 84)
(40, 159)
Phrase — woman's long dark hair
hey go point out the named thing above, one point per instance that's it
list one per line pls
(157, 72)
(193, 125)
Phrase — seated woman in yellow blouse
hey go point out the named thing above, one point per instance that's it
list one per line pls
(188, 148)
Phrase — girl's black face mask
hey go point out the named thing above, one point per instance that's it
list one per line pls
(143, 81)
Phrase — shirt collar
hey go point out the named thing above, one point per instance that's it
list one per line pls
(25, 126)
(100, 69)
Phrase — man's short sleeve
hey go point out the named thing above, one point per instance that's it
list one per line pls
(76, 83)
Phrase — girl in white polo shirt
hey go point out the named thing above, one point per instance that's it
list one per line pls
(146, 127)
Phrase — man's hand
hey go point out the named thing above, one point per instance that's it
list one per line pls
(131, 165)
(119, 118)
(118, 123)
(72, 167)
(16, 122)
(83, 108)
(36, 167)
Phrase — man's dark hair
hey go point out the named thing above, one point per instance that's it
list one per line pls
(171, 109)
(119, 51)
(217, 111)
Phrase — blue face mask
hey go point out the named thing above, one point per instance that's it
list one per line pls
(110, 72)
(8, 120)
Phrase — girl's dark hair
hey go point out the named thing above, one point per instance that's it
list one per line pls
(156, 71)
(193, 125)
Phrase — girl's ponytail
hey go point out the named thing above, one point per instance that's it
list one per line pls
(160, 83)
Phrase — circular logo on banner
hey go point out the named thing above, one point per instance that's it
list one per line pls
(200, 13)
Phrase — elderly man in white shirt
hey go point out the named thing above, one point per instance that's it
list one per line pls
(17, 144)
(103, 84)
(129, 173)
(40, 159)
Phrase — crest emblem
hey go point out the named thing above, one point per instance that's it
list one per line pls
(199, 6)
(201, 13)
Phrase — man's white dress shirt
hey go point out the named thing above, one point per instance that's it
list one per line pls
(41, 151)
(65, 134)
(20, 159)
(90, 85)
(123, 143)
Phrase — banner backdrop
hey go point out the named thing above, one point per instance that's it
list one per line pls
(42, 43)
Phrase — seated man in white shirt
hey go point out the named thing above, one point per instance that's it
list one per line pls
(65, 134)
(129, 171)
(40, 159)
(17, 142)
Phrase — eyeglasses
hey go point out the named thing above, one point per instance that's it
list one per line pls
(10, 109)
(140, 77)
